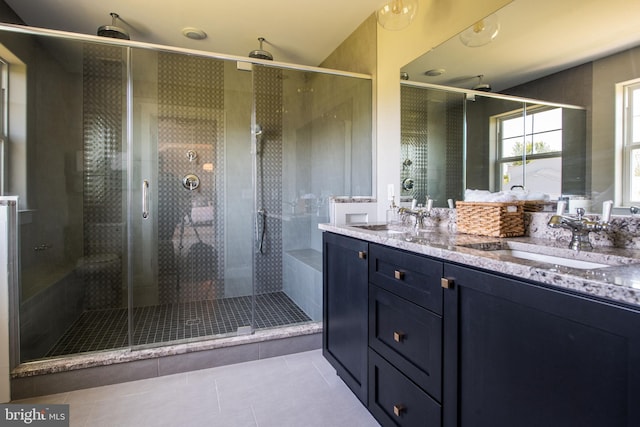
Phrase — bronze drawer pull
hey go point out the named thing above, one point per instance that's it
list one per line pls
(399, 409)
(362, 255)
(399, 275)
(446, 283)
(398, 336)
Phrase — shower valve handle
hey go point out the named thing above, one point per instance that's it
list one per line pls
(190, 182)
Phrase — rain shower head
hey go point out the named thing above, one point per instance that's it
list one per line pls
(113, 31)
(259, 53)
(481, 86)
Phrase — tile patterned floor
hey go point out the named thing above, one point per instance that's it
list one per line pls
(297, 390)
(107, 329)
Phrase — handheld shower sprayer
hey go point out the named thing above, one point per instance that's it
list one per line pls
(257, 132)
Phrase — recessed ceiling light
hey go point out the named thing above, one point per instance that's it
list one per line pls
(435, 72)
(194, 33)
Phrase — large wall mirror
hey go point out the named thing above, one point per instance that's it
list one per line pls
(573, 52)
(452, 139)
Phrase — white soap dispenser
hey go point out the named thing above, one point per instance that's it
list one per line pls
(392, 212)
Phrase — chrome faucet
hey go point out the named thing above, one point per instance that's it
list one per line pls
(419, 214)
(580, 227)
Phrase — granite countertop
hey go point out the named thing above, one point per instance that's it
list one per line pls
(618, 281)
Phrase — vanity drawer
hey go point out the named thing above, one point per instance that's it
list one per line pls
(410, 276)
(394, 400)
(409, 337)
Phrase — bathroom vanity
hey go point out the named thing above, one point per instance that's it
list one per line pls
(430, 327)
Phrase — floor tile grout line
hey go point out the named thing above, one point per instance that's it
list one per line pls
(272, 310)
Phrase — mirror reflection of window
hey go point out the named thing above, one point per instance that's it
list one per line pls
(530, 150)
(629, 123)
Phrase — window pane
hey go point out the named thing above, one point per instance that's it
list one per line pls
(528, 127)
(512, 147)
(511, 174)
(544, 176)
(512, 127)
(634, 131)
(547, 142)
(635, 175)
(547, 120)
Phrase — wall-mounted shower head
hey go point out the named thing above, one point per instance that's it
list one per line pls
(260, 53)
(113, 30)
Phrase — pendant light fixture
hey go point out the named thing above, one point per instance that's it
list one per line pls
(397, 14)
(481, 33)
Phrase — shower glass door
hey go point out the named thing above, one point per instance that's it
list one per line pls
(191, 203)
(169, 197)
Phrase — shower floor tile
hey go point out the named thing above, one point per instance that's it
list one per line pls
(107, 329)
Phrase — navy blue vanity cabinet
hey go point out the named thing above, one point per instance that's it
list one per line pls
(405, 338)
(520, 354)
(344, 337)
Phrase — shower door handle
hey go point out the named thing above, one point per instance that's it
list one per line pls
(145, 199)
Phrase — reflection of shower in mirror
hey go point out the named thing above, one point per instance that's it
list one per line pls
(407, 184)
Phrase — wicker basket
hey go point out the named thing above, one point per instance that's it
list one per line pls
(495, 219)
(539, 206)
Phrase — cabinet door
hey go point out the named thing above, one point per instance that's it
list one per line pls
(518, 354)
(345, 310)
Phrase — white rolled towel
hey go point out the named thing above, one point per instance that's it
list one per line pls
(487, 196)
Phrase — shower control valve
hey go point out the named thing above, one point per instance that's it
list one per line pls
(190, 182)
(192, 155)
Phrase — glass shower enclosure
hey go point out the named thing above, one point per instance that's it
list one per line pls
(167, 196)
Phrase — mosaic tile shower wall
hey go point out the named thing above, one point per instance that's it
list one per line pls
(190, 141)
(455, 147)
(103, 103)
(414, 141)
(268, 89)
(421, 131)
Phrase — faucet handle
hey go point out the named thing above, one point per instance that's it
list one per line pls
(580, 212)
(606, 211)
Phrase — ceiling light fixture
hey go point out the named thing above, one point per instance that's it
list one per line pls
(482, 32)
(194, 33)
(397, 14)
(435, 72)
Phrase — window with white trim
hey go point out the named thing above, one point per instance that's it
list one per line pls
(529, 152)
(629, 125)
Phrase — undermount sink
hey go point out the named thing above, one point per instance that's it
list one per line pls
(560, 257)
(567, 262)
(378, 227)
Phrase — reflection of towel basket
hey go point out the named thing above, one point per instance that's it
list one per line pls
(495, 219)
(540, 206)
